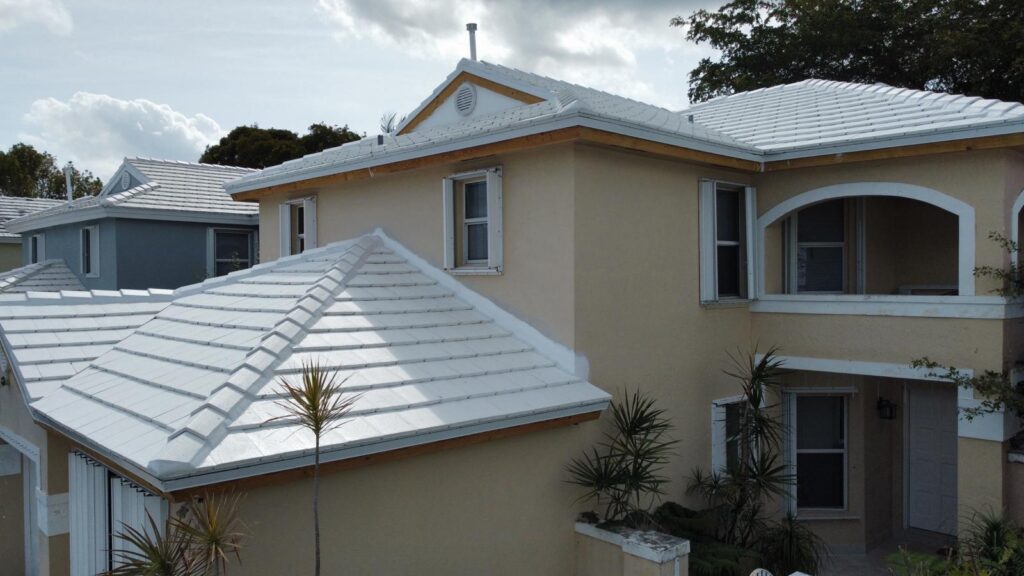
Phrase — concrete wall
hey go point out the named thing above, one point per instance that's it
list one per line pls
(498, 508)
(10, 255)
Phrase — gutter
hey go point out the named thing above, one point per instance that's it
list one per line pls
(30, 223)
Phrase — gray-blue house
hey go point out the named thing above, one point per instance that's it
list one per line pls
(156, 224)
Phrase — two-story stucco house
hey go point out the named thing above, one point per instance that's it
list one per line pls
(520, 249)
(156, 224)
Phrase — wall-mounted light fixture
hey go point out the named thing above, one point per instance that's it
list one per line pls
(886, 409)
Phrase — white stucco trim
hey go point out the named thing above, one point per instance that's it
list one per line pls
(20, 443)
(981, 307)
(963, 211)
(52, 512)
(859, 367)
(1018, 204)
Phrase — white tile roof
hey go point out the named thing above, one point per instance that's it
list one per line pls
(815, 113)
(806, 118)
(52, 336)
(47, 276)
(170, 190)
(12, 207)
(191, 396)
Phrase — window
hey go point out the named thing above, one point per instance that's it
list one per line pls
(821, 452)
(729, 448)
(90, 256)
(473, 222)
(817, 248)
(727, 213)
(298, 226)
(37, 249)
(230, 250)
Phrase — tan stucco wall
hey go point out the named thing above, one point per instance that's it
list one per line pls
(12, 526)
(500, 507)
(638, 318)
(979, 478)
(10, 256)
(537, 284)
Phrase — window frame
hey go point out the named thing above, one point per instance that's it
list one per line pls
(794, 450)
(719, 432)
(93, 263)
(709, 243)
(211, 248)
(494, 265)
(307, 239)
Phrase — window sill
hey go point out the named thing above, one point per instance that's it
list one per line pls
(474, 272)
(822, 516)
(731, 303)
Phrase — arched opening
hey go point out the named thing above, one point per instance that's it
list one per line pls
(871, 238)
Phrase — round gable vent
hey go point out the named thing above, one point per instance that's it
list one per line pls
(465, 99)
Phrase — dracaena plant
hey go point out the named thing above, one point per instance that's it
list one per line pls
(316, 401)
(623, 474)
(199, 542)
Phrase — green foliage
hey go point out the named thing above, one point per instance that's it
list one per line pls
(623, 473)
(29, 173)
(788, 546)
(197, 543)
(904, 563)
(949, 45)
(1010, 278)
(318, 404)
(708, 556)
(994, 390)
(992, 545)
(255, 147)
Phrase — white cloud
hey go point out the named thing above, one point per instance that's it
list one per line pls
(97, 131)
(608, 44)
(50, 13)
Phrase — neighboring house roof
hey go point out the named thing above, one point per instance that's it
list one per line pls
(192, 396)
(803, 119)
(52, 336)
(47, 276)
(158, 190)
(12, 207)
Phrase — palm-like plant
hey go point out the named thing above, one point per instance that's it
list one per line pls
(197, 543)
(318, 404)
(624, 472)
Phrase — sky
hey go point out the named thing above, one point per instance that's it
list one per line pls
(94, 81)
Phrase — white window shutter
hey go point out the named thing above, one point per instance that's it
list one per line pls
(495, 244)
(309, 226)
(448, 204)
(41, 250)
(718, 437)
(750, 197)
(286, 230)
(211, 252)
(708, 272)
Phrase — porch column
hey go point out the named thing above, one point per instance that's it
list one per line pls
(52, 505)
(981, 461)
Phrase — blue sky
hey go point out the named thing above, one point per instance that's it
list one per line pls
(96, 80)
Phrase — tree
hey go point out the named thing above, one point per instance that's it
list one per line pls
(29, 173)
(317, 403)
(255, 147)
(967, 46)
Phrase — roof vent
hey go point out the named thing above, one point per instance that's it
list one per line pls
(126, 180)
(465, 99)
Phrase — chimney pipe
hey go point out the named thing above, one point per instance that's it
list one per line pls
(68, 171)
(472, 40)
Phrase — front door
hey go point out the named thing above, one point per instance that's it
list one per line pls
(931, 456)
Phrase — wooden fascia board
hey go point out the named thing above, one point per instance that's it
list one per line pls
(560, 136)
(966, 144)
(452, 86)
(286, 476)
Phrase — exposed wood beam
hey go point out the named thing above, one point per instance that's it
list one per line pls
(285, 476)
(454, 85)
